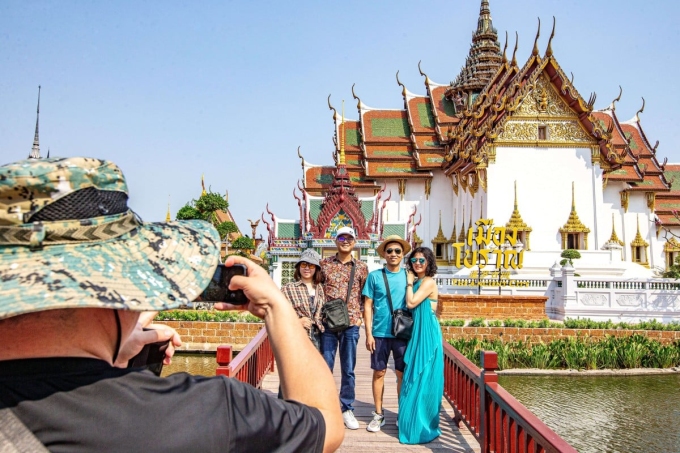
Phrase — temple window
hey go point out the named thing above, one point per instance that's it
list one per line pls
(439, 251)
(574, 233)
(542, 132)
(639, 247)
(574, 241)
(672, 250)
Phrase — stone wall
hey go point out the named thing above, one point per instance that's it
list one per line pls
(537, 335)
(490, 307)
(207, 336)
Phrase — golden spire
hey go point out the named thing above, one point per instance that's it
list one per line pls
(454, 234)
(470, 221)
(461, 236)
(516, 220)
(203, 192)
(614, 238)
(639, 241)
(440, 238)
(574, 224)
(168, 218)
(341, 161)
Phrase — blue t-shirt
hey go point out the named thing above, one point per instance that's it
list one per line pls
(375, 289)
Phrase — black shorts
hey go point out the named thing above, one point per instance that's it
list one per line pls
(383, 347)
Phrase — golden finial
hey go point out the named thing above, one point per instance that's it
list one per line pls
(514, 52)
(203, 192)
(505, 47)
(573, 200)
(534, 52)
(614, 237)
(515, 195)
(440, 238)
(168, 218)
(461, 237)
(548, 51)
(454, 234)
(642, 109)
(618, 98)
(342, 136)
(302, 159)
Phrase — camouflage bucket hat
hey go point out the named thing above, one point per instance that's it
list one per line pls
(68, 240)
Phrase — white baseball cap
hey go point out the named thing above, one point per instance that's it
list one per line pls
(349, 231)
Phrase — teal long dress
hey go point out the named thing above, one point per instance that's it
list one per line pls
(422, 387)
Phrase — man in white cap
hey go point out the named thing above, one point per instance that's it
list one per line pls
(379, 339)
(337, 271)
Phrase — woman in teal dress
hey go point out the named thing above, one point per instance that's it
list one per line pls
(423, 382)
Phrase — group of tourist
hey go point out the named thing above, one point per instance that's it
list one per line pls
(371, 300)
(81, 276)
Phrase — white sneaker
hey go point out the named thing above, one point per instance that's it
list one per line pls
(350, 421)
(376, 423)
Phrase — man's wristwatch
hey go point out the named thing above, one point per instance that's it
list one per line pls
(409, 284)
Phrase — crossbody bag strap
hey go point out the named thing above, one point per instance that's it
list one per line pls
(351, 283)
(389, 294)
(15, 437)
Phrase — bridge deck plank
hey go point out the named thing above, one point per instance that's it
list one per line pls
(452, 439)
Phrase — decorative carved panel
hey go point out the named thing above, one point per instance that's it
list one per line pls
(593, 300)
(629, 300)
(543, 100)
(558, 132)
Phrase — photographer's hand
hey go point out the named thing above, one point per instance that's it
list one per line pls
(305, 377)
(139, 338)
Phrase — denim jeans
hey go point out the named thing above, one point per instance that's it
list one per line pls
(346, 341)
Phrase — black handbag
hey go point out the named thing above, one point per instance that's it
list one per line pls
(335, 312)
(402, 320)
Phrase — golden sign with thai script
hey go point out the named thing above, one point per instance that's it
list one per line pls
(504, 240)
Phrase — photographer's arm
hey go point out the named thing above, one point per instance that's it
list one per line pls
(304, 375)
(139, 337)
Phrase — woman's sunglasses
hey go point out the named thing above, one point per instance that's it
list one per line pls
(304, 265)
(418, 260)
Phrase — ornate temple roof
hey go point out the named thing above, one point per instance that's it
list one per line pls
(484, 59)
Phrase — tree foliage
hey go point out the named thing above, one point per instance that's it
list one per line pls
(188, 212)
(226, 228)
(569, 255)
(243, 243)
(673, 270)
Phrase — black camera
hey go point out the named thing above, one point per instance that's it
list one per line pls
(218, 288)
(150, 357)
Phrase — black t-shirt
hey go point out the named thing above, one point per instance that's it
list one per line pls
(85, 405)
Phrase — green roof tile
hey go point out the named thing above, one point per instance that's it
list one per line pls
(394, 170)
(324, 179)
(390, 127)
(352, 137)
(314, 209)
(435, 160)
(399, 229)
(675, 177)
(449, 108)
(367, 209)
(289, 230)
(425, 115)
(391, 152)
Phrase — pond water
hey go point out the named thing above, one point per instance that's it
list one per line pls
(605, 413)
(593, 414)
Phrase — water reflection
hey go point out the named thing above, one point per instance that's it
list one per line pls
(203, 364)
(605, 413)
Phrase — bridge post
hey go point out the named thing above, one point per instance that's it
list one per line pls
(489, 362)
(224, 356)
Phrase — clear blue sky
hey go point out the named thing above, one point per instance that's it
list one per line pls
(172, 90)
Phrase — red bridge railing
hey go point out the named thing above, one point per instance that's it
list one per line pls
(498, 421)
(251, 365)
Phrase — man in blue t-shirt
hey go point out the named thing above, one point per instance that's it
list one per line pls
(378, 320)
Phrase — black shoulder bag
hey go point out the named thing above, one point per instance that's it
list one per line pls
(335, 312)
(402, 321)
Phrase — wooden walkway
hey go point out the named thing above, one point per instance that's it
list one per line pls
(360, 440)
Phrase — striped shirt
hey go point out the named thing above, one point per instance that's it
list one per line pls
(297, 294)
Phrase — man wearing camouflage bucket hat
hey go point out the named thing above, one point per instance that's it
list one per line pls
(77, 267)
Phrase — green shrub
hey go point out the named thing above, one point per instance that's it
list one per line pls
(452, 322)
(495, 323)
(477, 322)
(206, 315)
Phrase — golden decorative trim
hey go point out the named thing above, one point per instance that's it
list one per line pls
(516, 222)
(595, 155)
(671, 245)
(544, 100)
(639, 241)
(401, 183)
(473, 184)
(624, 200)
(491, 154)
(462, 180)
(417, 240)
(454, 182)
(428, 188)
(481, 176)
(557, 132)
(651, 200)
